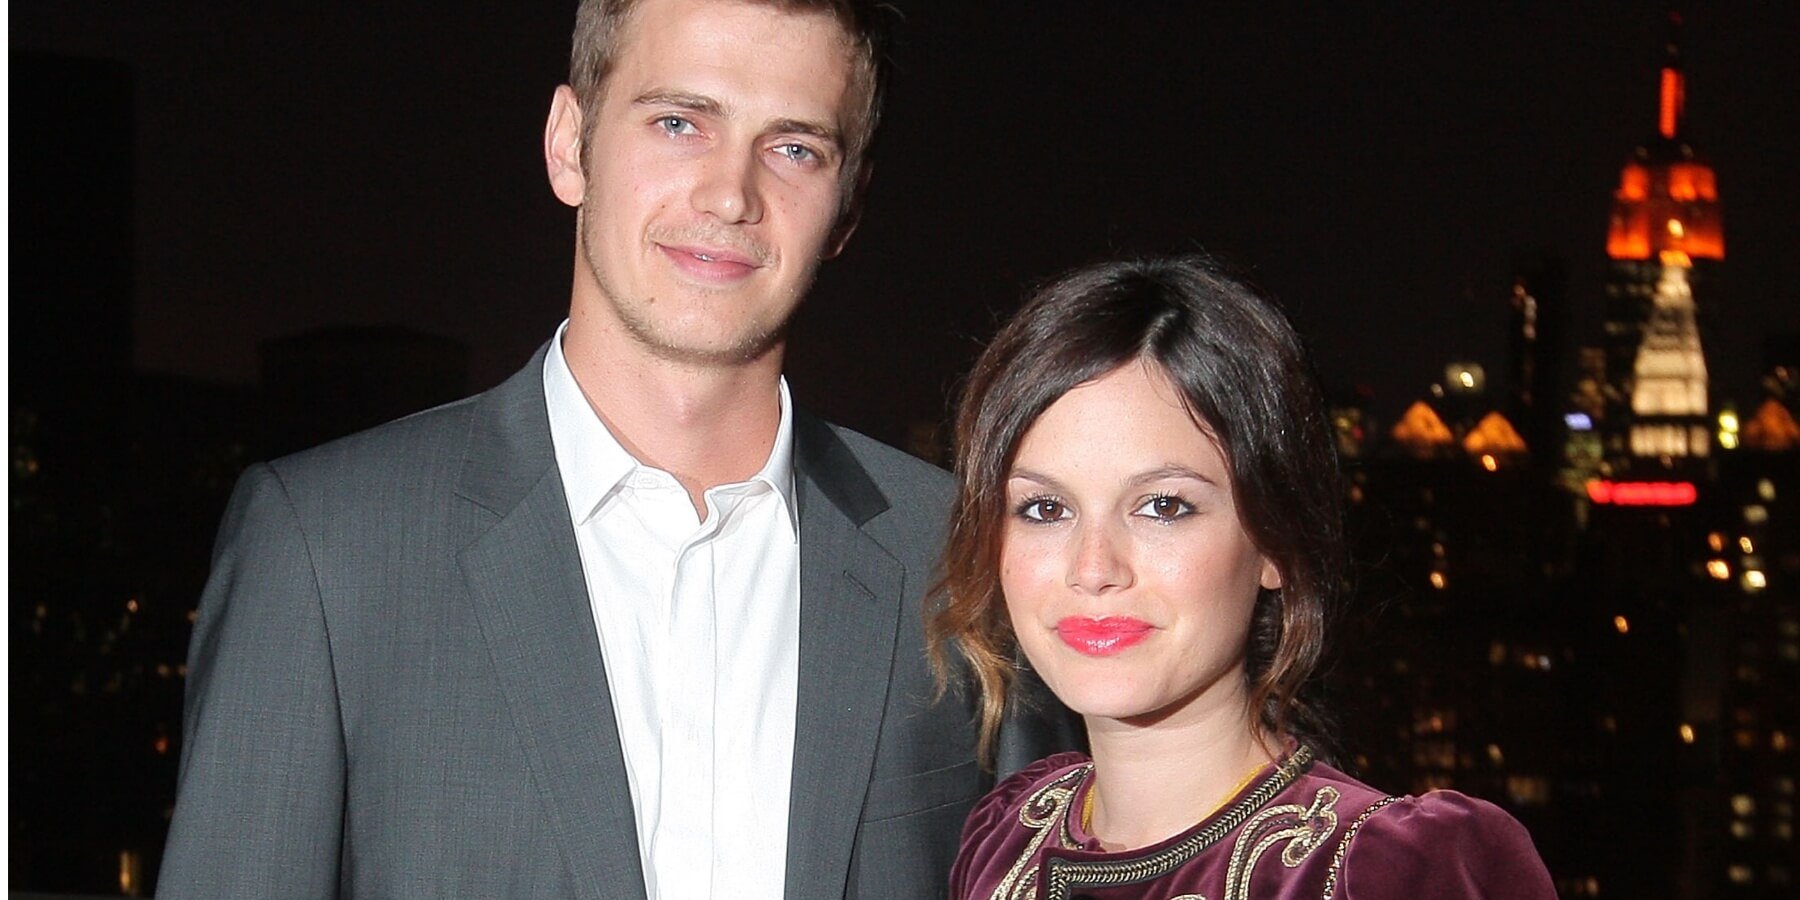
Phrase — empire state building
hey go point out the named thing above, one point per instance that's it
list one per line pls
(1665, 239)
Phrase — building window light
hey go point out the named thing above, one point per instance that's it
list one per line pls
(1687, 733)
(1718, 569)
(1716, 541)
(1621, 624)
(1438, 581)
(1528, 790)
(1756, 514)
(1743, 804)
(1740, 874)
(1766, 490)
(1754, 580)
(1746, 545)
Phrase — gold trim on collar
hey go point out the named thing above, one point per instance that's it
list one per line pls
(1061, 874)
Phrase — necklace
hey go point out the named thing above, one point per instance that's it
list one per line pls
(1087, 801)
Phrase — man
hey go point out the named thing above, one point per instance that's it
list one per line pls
(629, 624)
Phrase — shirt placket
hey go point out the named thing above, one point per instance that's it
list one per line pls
(691, 663)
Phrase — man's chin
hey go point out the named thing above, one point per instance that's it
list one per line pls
(714, 352)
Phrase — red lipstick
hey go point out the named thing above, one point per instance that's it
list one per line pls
(1103, 636)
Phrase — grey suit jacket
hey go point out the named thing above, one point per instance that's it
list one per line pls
(396, 690)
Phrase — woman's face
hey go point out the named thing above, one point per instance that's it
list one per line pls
(1128, 577)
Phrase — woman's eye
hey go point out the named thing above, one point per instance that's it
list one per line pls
(1165, 507)
(1043, 509)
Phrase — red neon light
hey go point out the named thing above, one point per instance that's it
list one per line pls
(1643, 493)
(1673, 98)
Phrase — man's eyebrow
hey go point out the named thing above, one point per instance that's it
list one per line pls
(826, 133)
(699, 103)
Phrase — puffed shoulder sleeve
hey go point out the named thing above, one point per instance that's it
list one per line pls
(1442, 846)
(990, 823)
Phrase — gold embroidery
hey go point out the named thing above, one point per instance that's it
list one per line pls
(1061, 873)
(1304, 828)
(1343, 847)
(1044, 811)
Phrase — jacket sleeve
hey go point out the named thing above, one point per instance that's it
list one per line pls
(259, 810)
(1443, 845)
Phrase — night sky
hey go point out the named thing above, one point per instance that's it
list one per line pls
(300, 164)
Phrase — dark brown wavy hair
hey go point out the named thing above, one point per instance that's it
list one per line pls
(1243, 375)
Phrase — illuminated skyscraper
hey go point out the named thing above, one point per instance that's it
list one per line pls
(1665, 238)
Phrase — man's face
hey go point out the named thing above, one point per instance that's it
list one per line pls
(711, 183)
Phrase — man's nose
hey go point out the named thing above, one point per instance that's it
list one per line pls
(728, 188)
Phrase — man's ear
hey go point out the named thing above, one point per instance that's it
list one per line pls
(562, 147)
(852, 214)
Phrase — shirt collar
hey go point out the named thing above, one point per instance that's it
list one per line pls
(593, 463)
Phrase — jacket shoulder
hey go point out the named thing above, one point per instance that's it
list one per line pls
(425, 446)
(907, 480)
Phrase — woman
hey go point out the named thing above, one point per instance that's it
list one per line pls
(1148, 510)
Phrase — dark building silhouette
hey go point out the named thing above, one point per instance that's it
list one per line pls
(1537, 336)
(333, 381)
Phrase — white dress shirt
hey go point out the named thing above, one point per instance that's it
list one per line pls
(699, 626)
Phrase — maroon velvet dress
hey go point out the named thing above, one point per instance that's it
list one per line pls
(1299, 829)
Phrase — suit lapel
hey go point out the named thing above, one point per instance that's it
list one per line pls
(525, 579)
(850, 597)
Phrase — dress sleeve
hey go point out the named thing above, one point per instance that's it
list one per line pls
(988, 825)
(1442, 846)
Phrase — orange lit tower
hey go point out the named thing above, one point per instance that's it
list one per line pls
(1665, 234)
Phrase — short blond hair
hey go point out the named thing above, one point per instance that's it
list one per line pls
(599, 24)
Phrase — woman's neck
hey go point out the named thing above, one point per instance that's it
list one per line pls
(1154, 781)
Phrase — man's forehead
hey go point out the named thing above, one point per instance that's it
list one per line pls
(754, 58)
(770, 27)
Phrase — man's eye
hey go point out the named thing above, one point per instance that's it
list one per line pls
(1043, 509)
(1165, 507)
(675, 125)
(799, 153)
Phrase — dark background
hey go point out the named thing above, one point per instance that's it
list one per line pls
(1380, 167)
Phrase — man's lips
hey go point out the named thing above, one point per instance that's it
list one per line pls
(1103, 636)
(710, 263)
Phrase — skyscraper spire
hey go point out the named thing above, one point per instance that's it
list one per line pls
(1673, 93)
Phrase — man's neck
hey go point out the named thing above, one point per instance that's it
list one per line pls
(705, 424)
